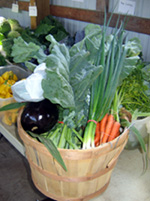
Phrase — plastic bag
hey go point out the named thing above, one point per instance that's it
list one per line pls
(30, 89)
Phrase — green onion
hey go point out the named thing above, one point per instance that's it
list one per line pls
(104, 88)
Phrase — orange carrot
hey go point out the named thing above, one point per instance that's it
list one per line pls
(118, 133)
(108, 128)
(114, 131)
(97, 135)
(103, 126)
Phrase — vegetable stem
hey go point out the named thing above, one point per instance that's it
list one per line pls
(62, 140)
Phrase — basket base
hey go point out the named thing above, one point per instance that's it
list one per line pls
(86, 198)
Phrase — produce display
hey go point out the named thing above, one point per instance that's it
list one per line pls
(133, 99)
(7, 79)
(135, 90)
(81, 82)
(11, 29)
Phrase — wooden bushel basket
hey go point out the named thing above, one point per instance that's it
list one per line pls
(88, 174)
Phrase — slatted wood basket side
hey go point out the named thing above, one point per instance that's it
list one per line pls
(89, 171)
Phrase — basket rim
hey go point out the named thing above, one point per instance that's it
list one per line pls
(106, 146)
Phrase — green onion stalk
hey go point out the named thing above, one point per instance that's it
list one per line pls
(104, 87)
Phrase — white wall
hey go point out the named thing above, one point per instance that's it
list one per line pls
(141, 10)
(22, 17)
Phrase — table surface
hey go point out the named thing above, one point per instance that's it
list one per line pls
(128, 183)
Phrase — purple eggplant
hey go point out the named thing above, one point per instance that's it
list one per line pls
(39, 117)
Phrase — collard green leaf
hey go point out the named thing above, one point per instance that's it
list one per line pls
(82, 76)
(28, 36)
(58, 90)
(30, 66)
(134, 47)
(43, 29)
(7, 46)
(40, 56)
(71, 72)
(92, 30)
(90, 42)
(59, 57)
(128, 66)
(146, 72)
(57, 86)
(60, 35)
(22, 51)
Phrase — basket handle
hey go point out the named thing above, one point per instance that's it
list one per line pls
(117, 155)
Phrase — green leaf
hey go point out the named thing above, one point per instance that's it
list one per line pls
(134, 47)
(12, 106)
(53, 150)
(2, 60)
(22, 51)
(7, 46)
(138, 135)
(128, 66)
(57, 86)
(30, 66)
(43, 29)
(90, 42)
(93, 30)
(60, 35)
(40, 56)
(82, 76)
(28, 36)
(58, 90)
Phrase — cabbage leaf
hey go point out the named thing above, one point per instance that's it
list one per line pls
(69, 77)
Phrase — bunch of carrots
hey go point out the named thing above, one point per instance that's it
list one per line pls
(106, 130)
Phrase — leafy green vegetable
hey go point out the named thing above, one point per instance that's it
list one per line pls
(33, 44)
(43, 29)
(68, 74)
(4, 26)
(133, 48)
(13, 34)
(29, 36)
(22, 51)
(31, 66)
(58, 77)
(15, 25)
(7, 47)
(2, 60)
(126, 117)
(1, 38)
(55, 28)
(56, 81)
(134, 90)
